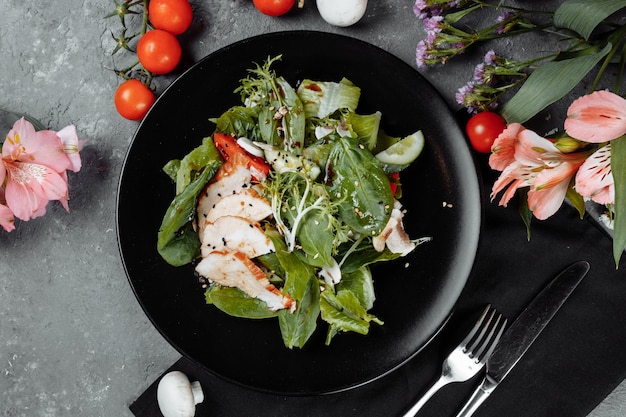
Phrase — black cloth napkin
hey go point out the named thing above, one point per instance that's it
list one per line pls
(574, 364)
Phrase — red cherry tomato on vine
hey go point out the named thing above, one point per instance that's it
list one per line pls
(173, 16)
(274, 7)
(133, 99)
(159, 51)
(482, 130)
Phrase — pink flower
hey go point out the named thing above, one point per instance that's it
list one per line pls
(529, 160)
(7, 221)
(595, 178)
(597, 117)
(503, 149)
(35, 165)
(71, 146)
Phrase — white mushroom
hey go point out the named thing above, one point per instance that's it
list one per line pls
(341, 12)
(177, 397)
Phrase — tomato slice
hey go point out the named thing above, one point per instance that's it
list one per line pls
(229, 148)
(394, 180)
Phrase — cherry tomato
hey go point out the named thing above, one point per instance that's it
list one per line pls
(482, 130)
(229, 148)
(159, 51)
(173, 16)
(133, 99)
(274, 7)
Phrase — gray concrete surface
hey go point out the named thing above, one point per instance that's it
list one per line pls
(73, 339)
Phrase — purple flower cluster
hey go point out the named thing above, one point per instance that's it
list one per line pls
(478, 94)
(442, 41)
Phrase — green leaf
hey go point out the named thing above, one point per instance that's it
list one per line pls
(549, 83)
(344, 312)
(194, 161)
(363, 254)
(359, 181)
(178, 243)
(297, 327)
(236, 303)
(618, 166)
(322, 98)
(303, 286)
(239, 121)
(361, 284)
(583, 16)
(576, 199)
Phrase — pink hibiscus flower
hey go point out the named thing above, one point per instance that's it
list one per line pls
(533, 161)
(35, 165)
(597, 117)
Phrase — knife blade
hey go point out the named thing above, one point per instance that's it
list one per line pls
(524, 331)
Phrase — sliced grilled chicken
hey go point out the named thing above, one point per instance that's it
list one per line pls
(236, 233)
(229, 179)
(247, 204)
(393, 235)
(234, 269)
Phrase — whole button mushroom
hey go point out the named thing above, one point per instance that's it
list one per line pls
(177, 397)
(341, 12)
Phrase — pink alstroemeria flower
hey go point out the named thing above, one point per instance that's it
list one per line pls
(594, 179)
(36, 165)
(597, 117)
(7, 221)
(532, 161)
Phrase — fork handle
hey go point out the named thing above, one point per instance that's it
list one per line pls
(442, 381)
(478, 397)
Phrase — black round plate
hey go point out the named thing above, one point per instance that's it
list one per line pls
(415, 294)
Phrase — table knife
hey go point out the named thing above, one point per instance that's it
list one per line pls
(523, 332)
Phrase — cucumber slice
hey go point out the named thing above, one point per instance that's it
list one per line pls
(404, 152)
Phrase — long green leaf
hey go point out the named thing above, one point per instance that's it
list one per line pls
(583, 16)
(618, 166)
(548, 84)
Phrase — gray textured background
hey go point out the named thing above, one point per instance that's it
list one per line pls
(73, 339)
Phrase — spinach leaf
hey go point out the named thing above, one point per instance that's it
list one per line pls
(177, 242)
(236, 303)
(302, 285)
(297, 327)
(344, 312)
(239, 121)
(362, 253)
(361, 284)
(357, 180)
(193, 162)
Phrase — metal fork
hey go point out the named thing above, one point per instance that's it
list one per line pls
(466, 360)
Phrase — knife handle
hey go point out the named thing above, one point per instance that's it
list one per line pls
(478, 397)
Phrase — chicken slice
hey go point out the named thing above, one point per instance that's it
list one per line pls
(234, 269)
(393, 235)
(247, 204)
(236, 233)
(228, 180)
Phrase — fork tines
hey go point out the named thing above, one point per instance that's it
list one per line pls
(487, 338)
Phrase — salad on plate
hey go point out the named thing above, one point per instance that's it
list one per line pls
(283, 209)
